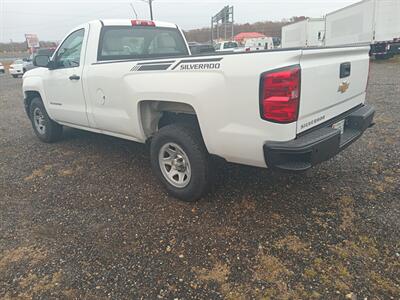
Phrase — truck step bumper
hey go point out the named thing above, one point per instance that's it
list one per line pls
(318, 145)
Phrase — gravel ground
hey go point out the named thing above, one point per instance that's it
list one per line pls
(85, 218)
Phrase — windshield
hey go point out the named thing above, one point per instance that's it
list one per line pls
(230, 45)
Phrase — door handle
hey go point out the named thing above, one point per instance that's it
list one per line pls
(74, 77)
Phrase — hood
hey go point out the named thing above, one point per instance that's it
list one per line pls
(34, 72)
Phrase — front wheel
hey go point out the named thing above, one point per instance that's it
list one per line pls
(45, 129)
(180, 160)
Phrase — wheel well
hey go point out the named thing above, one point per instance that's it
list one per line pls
(29, 96)
(157, 114)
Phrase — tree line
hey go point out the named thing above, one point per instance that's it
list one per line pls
(268, 28)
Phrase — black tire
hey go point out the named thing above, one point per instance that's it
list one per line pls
(189, 139)
(383, 56)
(15, 76)
(51, 131)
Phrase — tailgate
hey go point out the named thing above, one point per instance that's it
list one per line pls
(333, 81)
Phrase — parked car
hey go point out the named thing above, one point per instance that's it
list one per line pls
(226, 46)
(2, 70)
(136, 80)
(376, 22)
(197, 48)
(18, 68)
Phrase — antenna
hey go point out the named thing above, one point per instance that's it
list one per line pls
(134, 10)
(150, 2)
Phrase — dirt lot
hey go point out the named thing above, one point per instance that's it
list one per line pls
(85, 218)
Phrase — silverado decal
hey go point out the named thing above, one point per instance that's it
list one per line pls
(184, 65)
(206, 66)
(313, 122)
(199, 64)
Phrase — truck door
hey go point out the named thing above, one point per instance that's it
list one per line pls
(63, 83)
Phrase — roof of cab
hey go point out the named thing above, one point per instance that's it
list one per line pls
(128, 22)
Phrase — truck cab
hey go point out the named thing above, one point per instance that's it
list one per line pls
(226, 46)
(258, 44)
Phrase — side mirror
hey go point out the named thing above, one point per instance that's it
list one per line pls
(41, 61)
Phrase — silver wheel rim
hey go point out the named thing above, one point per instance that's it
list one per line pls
(38, 120)
(175, 165)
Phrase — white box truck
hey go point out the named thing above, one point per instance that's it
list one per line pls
(306, 33)
(370, 21)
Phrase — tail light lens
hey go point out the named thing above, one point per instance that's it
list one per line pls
(280, 95)
(143, 23)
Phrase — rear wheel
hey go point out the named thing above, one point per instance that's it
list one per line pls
(45, 129)
(181, 162)
(15, 76)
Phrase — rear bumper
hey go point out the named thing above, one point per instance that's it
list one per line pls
(318, 145)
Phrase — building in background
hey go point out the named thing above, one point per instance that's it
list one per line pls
(32, 42)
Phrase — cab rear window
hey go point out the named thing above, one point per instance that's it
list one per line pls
(126, 42)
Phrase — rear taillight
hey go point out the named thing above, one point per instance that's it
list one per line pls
(143, 23)
(280, 95)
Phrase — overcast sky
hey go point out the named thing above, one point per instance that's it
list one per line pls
(52, 19)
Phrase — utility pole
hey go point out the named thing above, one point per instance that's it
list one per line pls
(151, 9)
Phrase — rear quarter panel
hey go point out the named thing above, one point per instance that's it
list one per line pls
(226, 100)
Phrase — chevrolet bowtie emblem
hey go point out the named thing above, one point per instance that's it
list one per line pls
(343, 87)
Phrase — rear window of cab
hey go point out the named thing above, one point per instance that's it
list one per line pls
(140, 42)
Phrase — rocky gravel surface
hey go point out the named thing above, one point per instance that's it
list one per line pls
(85, 218)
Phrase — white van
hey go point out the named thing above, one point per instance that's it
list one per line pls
(258, 44)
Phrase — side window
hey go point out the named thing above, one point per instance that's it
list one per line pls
(69, 53)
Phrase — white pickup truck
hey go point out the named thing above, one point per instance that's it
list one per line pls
(284, 109)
